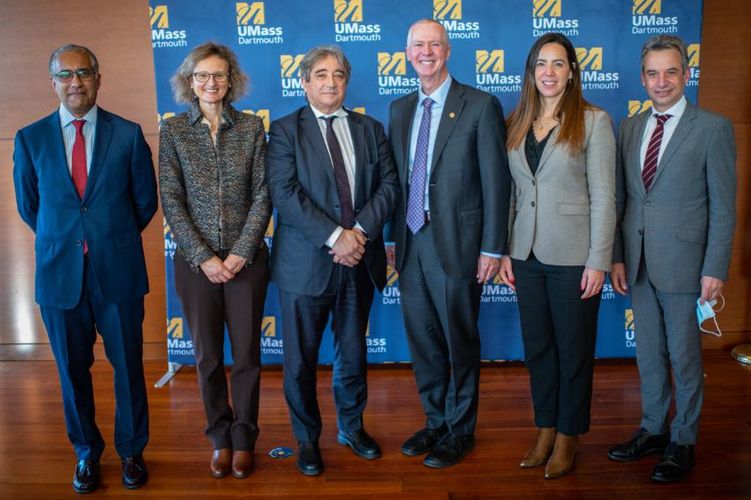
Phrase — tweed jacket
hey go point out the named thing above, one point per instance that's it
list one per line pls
(214, 197)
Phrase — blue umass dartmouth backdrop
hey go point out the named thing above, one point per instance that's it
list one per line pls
(490, 41)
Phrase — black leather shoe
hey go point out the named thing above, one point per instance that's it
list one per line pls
(642, 444)
(135, 473)
(86, 477)
(361, 443)
(677, 461)
(309, 460)
(449, 451)
(423, 441)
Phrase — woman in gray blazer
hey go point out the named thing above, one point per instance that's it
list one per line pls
(214, 197)
(562, 219)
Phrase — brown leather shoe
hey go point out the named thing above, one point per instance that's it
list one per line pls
(242, 463)
(221, 462)
(539, 453)
(562, 460)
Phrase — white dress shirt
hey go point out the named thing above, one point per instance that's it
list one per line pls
(344, 136)
(675, 112)
(69, 134)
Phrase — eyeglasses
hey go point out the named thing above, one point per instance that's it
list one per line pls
(203, 76)
(67, 75)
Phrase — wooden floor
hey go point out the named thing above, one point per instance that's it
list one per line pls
(36, 460)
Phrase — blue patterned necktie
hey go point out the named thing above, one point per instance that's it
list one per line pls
(416, 200)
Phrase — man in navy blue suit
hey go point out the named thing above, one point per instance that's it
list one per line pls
(85, 184)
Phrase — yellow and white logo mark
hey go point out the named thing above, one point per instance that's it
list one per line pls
(268, 326)
(177, 343)
(290, 71)
(263, 114)
(694, 51)
(250, 13)
(250, 18)
(169, 242)
(628, 327)
(636, 106)
(546, 18)
(546, 8)
(489, 61)
(359, 109)
(290, 65)
(647, 18)
(589, 58)
(447, 9)
(490, 66)
(392, 63)
(646, 7)
(161, 35)
(270, 228)
(175, 328)
(348, 11)
(591, 62)
(391, 295)
(270, 344)
(392, 74)
(159, 16)
(349, 25)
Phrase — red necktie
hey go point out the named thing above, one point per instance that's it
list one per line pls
(653, 152)
(78, 165)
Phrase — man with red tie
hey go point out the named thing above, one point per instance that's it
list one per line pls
(85, 185)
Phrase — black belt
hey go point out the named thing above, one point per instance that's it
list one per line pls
(427, 218)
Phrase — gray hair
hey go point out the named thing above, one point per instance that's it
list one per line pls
(444, 35)
(237, 80)
(71, 47)
(320, 52)
(665, 42)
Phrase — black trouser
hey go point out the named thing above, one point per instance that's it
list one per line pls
(440, 315)
(207, 307)
(347, 300)
(559, 331)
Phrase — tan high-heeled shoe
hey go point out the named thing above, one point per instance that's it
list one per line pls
(539, 453)
(562, 459)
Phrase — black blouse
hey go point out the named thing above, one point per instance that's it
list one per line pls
(533, 149)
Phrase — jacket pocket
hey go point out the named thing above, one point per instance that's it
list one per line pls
(467, 217)
(692, 235)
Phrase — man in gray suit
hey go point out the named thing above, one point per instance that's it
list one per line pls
(450, 226)
(676, 216)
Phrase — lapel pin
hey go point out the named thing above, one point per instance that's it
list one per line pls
(452, 115)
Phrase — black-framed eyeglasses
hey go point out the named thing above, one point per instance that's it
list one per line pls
(203, 76)
(66, 75)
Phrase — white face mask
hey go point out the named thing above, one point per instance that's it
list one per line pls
(706, 311)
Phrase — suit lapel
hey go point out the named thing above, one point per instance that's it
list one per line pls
(547, 151)
(679, 135)
(102, 139)
(311, 131)
(408, 114)
(357, 130)
(57, 153)
(640, 124)
(452, 111)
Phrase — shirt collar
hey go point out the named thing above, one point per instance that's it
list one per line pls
(340, 113)
(228, 114)
(66, 116)
(439, 94)
(675, 111)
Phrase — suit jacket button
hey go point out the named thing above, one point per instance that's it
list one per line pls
(84, 210)
(648, 203)
(533, 183)
(78, 243)
(641, 232)
(533, 203)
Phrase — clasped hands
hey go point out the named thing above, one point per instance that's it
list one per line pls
(221, 271)
(349, 247)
